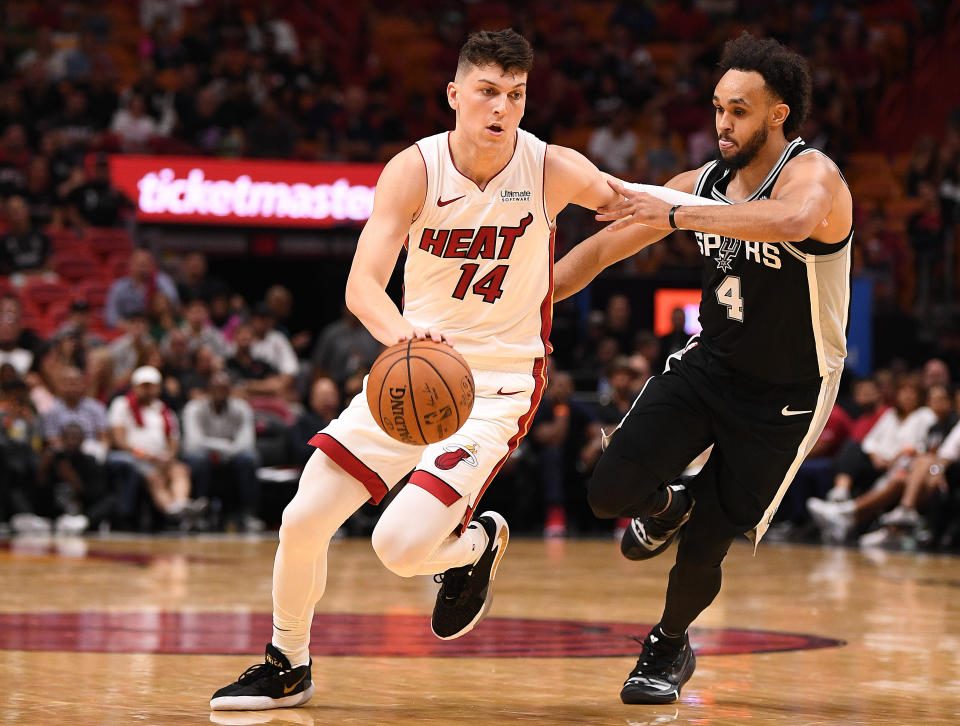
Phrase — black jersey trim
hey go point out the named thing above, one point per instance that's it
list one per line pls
(772, 175)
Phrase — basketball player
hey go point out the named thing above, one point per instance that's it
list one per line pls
(759, 382)
(475, 208)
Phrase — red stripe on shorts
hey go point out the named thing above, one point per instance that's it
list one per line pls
(436, 486)
(343, 458)
(523, 426)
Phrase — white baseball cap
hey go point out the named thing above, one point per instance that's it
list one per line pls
(146, 374)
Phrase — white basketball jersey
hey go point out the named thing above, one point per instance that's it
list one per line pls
(480, 261)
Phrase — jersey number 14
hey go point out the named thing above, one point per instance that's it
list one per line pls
(728, 295)
(489, 287)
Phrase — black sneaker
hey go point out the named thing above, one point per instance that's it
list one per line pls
(660, 672)
(648, 536)
(271, 684)
(466, 592)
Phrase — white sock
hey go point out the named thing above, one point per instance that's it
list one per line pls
(458, 551)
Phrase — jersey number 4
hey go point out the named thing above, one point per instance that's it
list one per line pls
(489, 287)
(728, 295)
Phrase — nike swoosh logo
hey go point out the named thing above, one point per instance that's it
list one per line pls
(501, 392)
(787, 412)
(442, 203)
(287, 689)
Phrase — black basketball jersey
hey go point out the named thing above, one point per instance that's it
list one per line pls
(774, 311)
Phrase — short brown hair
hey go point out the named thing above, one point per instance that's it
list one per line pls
(504, 48)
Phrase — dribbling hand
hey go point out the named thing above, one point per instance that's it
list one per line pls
(423, 333)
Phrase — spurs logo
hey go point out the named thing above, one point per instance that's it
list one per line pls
(728, 251)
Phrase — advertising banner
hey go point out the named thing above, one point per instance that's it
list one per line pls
(246, 192)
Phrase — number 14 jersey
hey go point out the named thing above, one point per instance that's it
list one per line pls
(480, 261)
(777, 312)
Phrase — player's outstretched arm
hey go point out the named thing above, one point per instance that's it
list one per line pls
(809, 200)
(585, 261)
(399, 198)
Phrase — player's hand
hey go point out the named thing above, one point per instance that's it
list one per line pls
(634, 208)
(423, 333)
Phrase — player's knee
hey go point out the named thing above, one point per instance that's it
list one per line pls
(299, 528)
(605, 492)
(397, 553)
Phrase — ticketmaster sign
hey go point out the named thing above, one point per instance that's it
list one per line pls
(198, 190)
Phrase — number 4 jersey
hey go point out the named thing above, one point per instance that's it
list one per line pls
(480, 261)
(775, 311)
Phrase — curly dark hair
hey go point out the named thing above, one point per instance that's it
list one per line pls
(786, 73)
(504, 48)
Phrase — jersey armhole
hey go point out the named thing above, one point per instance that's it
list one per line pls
(426, 190)
(543, 187)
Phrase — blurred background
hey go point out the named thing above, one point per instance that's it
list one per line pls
(182, 183)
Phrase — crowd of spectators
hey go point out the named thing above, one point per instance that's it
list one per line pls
(168, 399)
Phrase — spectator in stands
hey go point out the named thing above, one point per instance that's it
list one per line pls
(219, 436)
(898, 432)
(74, 483)
(40, 195)
(935, 373)
(143, 426)
(195, 381)
(253, 375)
(20, 444)
(562, 429)
(224, 315)
(135, 127)
(93, 202)
(613, 145)
(323, 405)
(135, 293)
(271, 345)
(197, 330)
(13, 345)
(617, 322)
(24, 248)
(74, 407)
(344, 347)
(676, 339)
(112, 365)
(194, 280)
(869, 407)
(620, 395)
(77, 326)
(271, 135)
(838, 519)
(926, 233)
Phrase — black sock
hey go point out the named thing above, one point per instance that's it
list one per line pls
(679, 502)
(660, 632)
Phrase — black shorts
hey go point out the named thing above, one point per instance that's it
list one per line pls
(760, 432)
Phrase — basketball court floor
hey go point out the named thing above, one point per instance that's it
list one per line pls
(142, 631)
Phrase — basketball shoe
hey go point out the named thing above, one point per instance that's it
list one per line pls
(665, 664)
(466, 592)
(650, 535)
(271, 684)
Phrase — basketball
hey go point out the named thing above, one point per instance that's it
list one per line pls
(420, 392)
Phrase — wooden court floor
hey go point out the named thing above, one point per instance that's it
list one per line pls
(142, 631)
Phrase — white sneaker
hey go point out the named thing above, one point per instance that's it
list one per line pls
(838, 494)
(902, 516)
(71, 524)
(878, 538)
(29, 523)
(835, 519)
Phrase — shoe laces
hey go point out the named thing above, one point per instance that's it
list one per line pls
(653, 657)
(453, 582)
(256, 669)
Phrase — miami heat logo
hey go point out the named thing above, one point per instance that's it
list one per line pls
(455, 453)
(728, 251)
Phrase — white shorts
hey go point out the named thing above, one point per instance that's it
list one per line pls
(462, 465)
